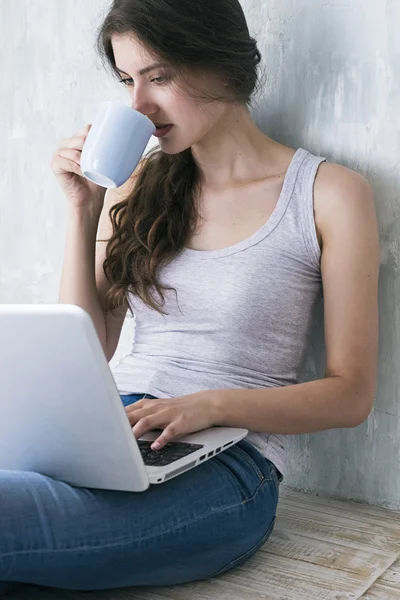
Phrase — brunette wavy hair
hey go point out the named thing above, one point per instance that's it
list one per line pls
(152, 224)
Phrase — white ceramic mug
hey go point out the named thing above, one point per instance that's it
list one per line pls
(115, 144)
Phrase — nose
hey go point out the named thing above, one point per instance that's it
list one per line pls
(141, 101)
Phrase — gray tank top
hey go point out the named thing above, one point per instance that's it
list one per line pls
(242, 314)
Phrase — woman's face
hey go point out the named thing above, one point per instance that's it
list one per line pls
(153, 94)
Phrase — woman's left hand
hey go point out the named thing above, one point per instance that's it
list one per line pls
(176, 416)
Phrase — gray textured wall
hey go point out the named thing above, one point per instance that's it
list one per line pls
(332, 86)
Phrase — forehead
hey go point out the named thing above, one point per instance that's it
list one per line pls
(130, 53)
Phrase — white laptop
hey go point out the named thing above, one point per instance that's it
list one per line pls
(61, 414)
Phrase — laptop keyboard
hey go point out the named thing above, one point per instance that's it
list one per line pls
(168, 454)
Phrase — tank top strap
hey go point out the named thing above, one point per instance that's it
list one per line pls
(301, 201)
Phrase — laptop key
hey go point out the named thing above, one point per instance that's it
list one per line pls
(153, 454)
(169, 453)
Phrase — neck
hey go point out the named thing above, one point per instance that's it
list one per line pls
(234, 152)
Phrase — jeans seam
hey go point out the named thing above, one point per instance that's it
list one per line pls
(253, 464)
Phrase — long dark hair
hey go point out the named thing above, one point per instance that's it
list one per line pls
(152, 224)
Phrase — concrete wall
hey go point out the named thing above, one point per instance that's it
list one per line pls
(332, 86)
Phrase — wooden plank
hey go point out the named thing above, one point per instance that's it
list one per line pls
(392, 575)
(339, 528)
(381, 592)
(350, 507)
(363, 562)
(320, 506)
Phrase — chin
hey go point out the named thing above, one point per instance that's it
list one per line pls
(170, 148)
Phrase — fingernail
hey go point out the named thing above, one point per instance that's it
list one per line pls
(155, 446)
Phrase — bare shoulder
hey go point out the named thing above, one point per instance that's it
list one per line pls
(340, 193)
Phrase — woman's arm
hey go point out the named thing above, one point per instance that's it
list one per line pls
(83, 281)
(78, 284)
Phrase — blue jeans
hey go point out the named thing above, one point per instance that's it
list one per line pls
(193, 527)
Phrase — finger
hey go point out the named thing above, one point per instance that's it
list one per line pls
(146, 424)
(135, 413)
(134, 405)
(152, 405)
(133, 417)
(77, 142)
(66, 165)
(168, 435)
(85, 128)
(71, 154)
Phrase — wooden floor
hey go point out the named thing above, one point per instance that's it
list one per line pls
(320, 549)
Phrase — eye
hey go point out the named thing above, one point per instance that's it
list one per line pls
(125, 81)
(129, 81)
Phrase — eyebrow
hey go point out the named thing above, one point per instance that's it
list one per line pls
(145, 70)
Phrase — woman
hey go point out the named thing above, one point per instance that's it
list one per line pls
(220, 244)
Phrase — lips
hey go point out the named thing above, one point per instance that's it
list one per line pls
(162, 131)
